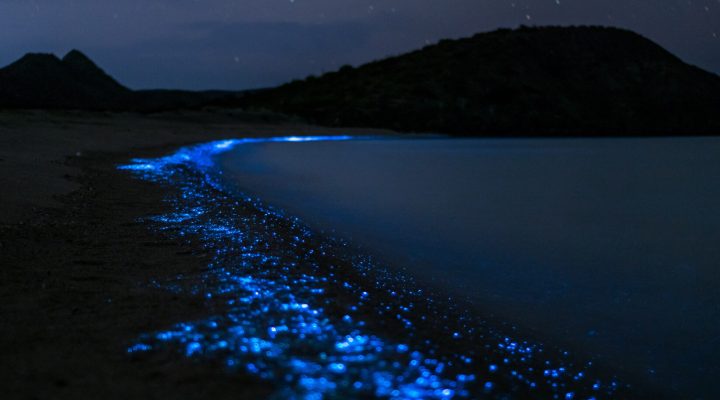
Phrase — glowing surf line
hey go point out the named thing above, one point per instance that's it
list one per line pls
(275, 325)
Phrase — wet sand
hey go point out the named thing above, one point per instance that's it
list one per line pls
(77, 265)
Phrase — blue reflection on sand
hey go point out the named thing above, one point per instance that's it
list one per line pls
(280, 323)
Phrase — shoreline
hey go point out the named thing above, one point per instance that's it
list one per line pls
(571, 295)
(77, 263)
(69, 317)
(76, 295)
(503, 365)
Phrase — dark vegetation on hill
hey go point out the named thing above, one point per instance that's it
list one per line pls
(550, 80)
(528, 81)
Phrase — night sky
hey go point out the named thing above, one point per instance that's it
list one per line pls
(240, 44)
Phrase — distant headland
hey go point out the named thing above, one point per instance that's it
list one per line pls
(529, 81)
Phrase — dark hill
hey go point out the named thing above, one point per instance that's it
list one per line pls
(550, 80)
(76, 82)
(45, 81)
(90, 75)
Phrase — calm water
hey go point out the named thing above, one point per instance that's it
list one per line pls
(608, 246)
(315, 319)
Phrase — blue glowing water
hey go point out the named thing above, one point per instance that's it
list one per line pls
(315, 318)
(605, 245)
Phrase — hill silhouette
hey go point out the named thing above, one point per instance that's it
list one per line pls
(547, 80)
(527, 81)
(45, 81)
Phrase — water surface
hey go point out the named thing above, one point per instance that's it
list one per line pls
(316, 318)
(608, 246)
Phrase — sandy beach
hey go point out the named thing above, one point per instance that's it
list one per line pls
(76, 262)
(82, 280)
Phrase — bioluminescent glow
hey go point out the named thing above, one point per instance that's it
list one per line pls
(320, 320)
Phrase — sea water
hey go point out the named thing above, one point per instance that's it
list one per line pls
(316, 319)
(608, 246)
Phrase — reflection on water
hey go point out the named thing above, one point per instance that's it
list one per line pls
(318, 320)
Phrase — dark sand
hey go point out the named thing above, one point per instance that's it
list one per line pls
(75, 263)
